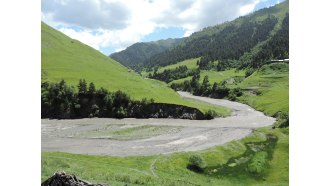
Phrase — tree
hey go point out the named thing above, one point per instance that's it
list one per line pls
(91, 88)
(206, 83)
(195, 81)
(82, 86)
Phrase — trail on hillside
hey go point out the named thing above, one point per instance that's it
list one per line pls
(140, 137)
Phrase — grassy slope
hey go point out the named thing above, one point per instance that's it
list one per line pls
(274, 88)
(71, 60)
(190, 63)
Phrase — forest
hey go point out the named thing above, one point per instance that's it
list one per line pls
(228, 44)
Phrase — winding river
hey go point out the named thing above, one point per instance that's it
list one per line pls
(107, 136)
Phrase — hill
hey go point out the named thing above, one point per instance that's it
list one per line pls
(247, 41)
(138, 53)
(71, 60)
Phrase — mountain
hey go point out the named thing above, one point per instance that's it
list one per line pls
(70, 60)
(138, 53)
(247, 41)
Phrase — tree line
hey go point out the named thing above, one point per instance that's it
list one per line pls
(61, 101)
(217, 90)
(169, 75)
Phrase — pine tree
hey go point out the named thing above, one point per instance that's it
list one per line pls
(82, 86)
(91, 88)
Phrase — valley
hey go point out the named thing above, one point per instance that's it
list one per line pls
(235, 74)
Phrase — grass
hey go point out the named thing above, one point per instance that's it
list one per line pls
(71, 60)
(190, 63)
(171, 169)
(128, 133)
(272, 81)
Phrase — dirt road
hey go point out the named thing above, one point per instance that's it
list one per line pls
(138, 137)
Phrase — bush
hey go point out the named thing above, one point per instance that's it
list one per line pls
(284, 117)
(258, 163)
(210, 114)
(237, 91)
(196, 163)
(232, 96)
(249, 72)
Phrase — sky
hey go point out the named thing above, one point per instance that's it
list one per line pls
(113, 25)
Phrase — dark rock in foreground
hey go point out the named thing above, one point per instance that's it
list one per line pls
(63, 179)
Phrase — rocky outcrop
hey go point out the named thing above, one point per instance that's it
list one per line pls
(63, 179)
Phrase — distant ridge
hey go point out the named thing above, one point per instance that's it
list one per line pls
(138, 53)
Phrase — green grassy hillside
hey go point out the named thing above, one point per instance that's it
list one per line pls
(272, 82)
(71, 60)
(190, 63)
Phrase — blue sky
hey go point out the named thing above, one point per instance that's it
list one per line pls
(113, 25)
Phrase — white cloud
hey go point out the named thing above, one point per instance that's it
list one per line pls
(120, 23)
(248, 8)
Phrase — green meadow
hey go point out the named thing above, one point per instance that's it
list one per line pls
(272, 83)
(189, 63)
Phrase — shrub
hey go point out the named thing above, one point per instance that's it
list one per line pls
(232, 96)
(258, 163)
(249, 72)
(196, 163)
(210, 114)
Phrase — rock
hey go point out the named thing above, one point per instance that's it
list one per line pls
(63, 179)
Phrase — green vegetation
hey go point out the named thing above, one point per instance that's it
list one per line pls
(128, 133)
(60, 101)
(171, 169)
(227, 44)
(169, 75)
(136, 55)
(246, 36)
(268, 89)
(68, 59)
(196, 163)
(215, 76)
(259, 159)
(189, 63)
(258, 163)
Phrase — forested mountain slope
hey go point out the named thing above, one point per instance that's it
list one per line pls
(138, 53)
(248, 41)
